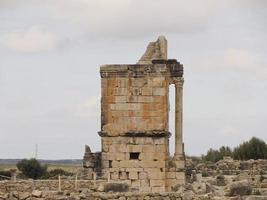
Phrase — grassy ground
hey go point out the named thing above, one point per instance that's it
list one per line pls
(6, 167)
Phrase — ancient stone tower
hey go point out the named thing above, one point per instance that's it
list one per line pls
(134, 122)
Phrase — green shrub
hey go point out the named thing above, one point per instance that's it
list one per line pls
(32, 168)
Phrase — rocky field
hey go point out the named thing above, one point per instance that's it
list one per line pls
(226, 179)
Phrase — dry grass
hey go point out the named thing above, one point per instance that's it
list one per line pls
(7, 167)
(73, 168)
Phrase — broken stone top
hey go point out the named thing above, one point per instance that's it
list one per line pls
(155, 51)
(153, 63)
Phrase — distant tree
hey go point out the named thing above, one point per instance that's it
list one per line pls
(216, 155)
(255, 148)
(32, 168)
(225, 151)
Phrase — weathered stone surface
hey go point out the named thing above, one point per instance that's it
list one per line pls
(134, 123)
(240, 188)
(37, 193)
(155, 51)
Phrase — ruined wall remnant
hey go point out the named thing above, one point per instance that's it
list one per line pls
(155, 51)
(134, 121)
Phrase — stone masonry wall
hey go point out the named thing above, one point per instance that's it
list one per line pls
(134, 105)
(147, 171)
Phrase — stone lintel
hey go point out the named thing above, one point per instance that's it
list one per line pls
(138, 134)
(166, 68)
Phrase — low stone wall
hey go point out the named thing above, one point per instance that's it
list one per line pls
(44, 185)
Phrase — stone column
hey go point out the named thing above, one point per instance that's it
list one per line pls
(179, 152)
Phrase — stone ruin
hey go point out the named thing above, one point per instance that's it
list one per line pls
(135, 123)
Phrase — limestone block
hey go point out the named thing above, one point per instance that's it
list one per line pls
(155, 173)
(125, 106)
(146, 91)
(180, 164)
(160, 99)
(180, 175)
(104, 156)
(123, 175)
(135, 91)
(133, 175)
(161, 148)
(160, 140)
(104, 82)
(116, 163)
(148, 148)
(128, 182)
(112, 148)
(119, 92)
(105, 163)
(153, 156)
(134, 148)
(171, 182)
(145, 99)
(130, 163)
(135, 183)
(171, 175)
(119, 156)
(154, 183)
(114, 175)
(105, 147)
(148, 163)
(158, 189)
(138, 82)
(157, 81)
(139, 140)
(159, 91)
(143, 175)
(109, 99)
(134, 169)
(121, 82)
(124, 140)
(144, 188)
(120, 99)
(107, 140)
(121, 148)
(144, 183)
(132, 98)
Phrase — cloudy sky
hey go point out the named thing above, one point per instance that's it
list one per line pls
(51, 50)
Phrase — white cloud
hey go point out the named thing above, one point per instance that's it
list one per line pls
(238, 60)
(34, 39)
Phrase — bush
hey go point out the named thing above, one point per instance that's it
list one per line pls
(253, 149)
(52, 174)
(5, 174)
(32, 168)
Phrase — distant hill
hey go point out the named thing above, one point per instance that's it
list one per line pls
(64, 161)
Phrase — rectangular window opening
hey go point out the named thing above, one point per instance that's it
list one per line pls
(134, 155)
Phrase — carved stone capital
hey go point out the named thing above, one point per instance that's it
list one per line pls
(177, 81)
